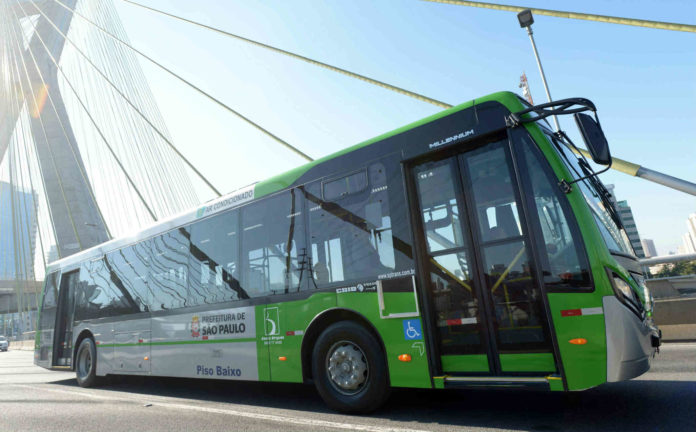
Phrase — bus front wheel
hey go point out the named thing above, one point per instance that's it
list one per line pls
(349, 368)
(86, 364)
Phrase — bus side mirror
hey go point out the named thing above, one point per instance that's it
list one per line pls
(594, 139)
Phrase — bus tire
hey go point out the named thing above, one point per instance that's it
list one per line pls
(349, 369)
(86, 364)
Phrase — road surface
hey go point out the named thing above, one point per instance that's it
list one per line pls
(34, 399)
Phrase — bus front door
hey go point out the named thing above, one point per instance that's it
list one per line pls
(62, 342)
(485, 303)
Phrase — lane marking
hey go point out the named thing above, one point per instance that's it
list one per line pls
(678, 345)
(232, 412)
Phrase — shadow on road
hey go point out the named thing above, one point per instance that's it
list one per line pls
(633, 405)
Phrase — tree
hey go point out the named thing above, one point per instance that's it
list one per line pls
(683, 268)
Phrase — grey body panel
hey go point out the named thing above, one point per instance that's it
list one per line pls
(217, 344)
(629, 347)
(131, 351)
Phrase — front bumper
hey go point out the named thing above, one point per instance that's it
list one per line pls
(631, 342)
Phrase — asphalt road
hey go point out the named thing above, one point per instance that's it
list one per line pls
(34, 399)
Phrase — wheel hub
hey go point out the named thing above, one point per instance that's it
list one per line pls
(347, 367)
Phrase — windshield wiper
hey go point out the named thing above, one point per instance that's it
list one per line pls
(590, 176)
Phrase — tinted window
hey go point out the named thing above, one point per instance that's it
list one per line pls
(350, 184)
(273, 245)
(440, 210)
(99, 296)
(169, 269)
(214, 264)
(563, 257)
(50, 303)
(352, 237)
(128, 269)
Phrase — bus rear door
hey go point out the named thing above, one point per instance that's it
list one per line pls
(62, 342)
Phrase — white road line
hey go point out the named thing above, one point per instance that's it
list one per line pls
(232, 412)
(677, 345)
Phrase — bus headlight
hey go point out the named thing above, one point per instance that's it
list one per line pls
(626, 295)
(623, 287)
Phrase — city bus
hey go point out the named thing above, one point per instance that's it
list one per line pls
(473, 248)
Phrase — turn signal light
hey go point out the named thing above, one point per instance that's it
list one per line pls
(405, 357)
(578, 341)
(282, 358)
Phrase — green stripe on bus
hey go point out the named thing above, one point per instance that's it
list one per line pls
(191, 342)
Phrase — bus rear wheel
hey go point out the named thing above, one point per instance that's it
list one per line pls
(349, 368)
(86, 364)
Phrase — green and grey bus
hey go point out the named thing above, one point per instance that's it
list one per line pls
(473, 248)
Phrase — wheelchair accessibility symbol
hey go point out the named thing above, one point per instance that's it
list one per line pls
(412, 329)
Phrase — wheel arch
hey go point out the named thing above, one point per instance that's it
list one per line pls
(322, 321)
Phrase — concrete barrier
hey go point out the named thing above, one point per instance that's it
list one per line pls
(25, 345)
(676, 317)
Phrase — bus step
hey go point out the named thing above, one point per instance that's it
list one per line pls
(536, 383)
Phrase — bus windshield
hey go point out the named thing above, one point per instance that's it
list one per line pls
(597, 198)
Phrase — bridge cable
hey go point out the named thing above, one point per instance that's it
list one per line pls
(193, 86)
(28, 163)
(382, 84)
(98, 129)
(81, 168)
(52, 156)
(660, 25)
(166, 140)
(618, 164)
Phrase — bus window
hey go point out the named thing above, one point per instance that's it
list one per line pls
(128, 269)
(351, 236)
(168, 277)
(98, 296)
(563, 257)
(273, 245)
(214, 262)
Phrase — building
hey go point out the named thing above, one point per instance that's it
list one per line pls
(628, 221)
(689, 238)
(649, 248)
(631, 230)
(17, 235)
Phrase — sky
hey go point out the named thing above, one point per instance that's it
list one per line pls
(642, 80)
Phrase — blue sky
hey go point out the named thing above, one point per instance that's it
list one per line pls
(642, 81)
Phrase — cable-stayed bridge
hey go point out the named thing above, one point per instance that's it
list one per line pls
(85, 154)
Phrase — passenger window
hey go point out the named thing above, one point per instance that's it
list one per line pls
(351, 237)
(169, 270)
(128, 269)
(564, 263)
(214, 260)
(440, 211)
(98, 296)
(496, 207)
(273, 245)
